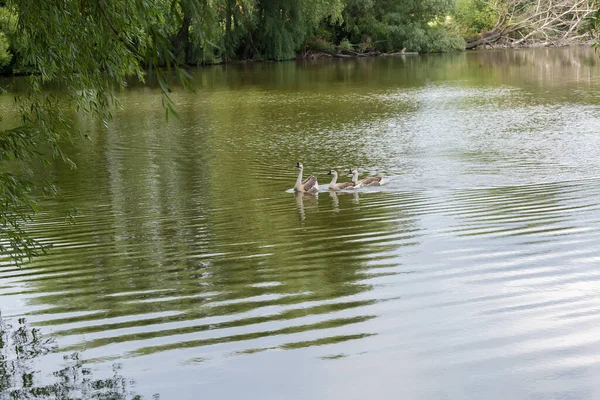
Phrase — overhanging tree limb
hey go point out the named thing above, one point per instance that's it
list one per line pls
(113, 28)
(553, 20)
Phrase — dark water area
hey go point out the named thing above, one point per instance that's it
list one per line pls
(473, 273)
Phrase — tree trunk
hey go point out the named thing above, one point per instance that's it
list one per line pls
(228, 38)
(181, 41)
(486, 40)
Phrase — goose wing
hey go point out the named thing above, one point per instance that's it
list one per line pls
(347, 185)
(374, 180)
(309, 183)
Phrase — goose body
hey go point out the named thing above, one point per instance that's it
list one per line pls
(333, 185)
(309, 185)
(369, 181)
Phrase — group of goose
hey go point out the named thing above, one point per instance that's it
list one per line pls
(310, 184)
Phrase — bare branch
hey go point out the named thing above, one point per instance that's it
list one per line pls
(552, 20)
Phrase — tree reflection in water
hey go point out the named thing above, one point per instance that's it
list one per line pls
(19, 380)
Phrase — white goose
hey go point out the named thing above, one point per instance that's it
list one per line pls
(310, 184)
(370, 181)
(339, 186)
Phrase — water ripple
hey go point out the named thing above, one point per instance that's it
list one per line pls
(477, 259)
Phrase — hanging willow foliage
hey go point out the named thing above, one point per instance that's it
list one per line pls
(88, 48)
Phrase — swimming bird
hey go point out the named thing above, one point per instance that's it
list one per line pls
(369, 181)
(310, 184)
(339, 186)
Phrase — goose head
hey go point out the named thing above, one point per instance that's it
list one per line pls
(353, 171)
(332, 172)
(299, 165)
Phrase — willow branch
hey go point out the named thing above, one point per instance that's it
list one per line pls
(127, 44)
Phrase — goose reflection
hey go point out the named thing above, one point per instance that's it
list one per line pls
(311, 199)
(336, 200)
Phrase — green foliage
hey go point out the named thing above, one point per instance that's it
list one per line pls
(203, 31)
(346, 45)
(17, 209)
(7, 29)
(222, 30)
(5, 54)
(431, 40)
(470, 17)
(284, 24)
(320, 44)
(394, 25)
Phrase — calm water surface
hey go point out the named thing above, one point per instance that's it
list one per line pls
(474, 273)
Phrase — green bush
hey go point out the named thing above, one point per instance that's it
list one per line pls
(346, 45)
(393, 25)
(471, 17)
(319, 43)
(5, 55)
(7, 29)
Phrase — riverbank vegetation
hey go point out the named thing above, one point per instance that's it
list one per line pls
(521, 23)
(89, 48)
(202, 32)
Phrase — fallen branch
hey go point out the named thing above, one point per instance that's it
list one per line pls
(552, 20)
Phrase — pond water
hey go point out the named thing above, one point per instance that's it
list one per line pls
(474, 272)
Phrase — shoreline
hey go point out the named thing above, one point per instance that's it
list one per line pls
(507, 43)
(321, 55)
